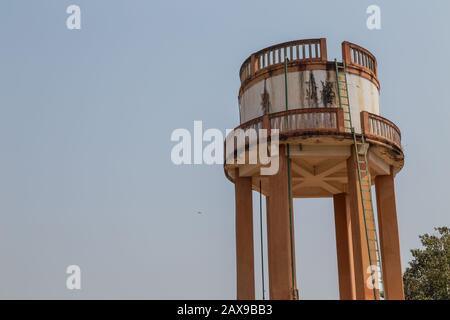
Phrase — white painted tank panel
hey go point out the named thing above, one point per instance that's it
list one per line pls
(309, 89)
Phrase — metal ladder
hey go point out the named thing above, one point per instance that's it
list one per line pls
(365, 183)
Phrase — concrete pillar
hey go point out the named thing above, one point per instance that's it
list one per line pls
(389, 238)
(281, 275)
(344, 247)
(244, 238)
(359, 238)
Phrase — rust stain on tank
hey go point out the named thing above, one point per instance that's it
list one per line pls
(301, 76)
(311, 91)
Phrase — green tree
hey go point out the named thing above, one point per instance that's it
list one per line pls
(428, 274)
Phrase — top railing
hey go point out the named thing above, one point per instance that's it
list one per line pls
(309, 50)
(356, 56)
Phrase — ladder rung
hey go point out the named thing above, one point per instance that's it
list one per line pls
(373, 259)
(367, 205)
(368, 217)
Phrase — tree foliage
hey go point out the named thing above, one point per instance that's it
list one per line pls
(428, 274)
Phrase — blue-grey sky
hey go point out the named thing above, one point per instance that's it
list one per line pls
(85, 123)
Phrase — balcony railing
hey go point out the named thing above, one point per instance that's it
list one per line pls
(326, 120)
(356, 56)
(301, 120)
(310, 50)
(314, 119)
(379, 128)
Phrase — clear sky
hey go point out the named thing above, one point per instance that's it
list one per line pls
(85, 123)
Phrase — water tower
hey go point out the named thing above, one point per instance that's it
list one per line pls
(333, 143)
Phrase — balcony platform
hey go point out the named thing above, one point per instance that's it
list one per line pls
(319, 149)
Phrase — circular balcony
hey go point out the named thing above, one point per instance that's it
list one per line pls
(320, 145)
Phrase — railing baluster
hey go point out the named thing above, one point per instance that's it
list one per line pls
(383, 128)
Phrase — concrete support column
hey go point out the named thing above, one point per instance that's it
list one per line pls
(389, 238)
(344, 247)
(244, 238)
(359, 238)
(281, 273)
